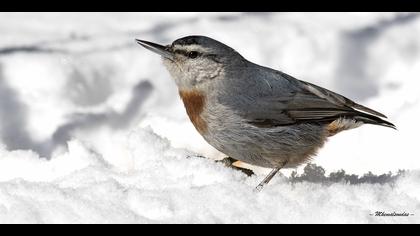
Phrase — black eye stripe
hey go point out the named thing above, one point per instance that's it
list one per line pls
(210, 56)
(186, 53)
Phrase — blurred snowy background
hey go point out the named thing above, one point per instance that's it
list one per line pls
(92, 129)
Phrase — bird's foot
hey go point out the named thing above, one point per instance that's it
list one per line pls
(228, 162)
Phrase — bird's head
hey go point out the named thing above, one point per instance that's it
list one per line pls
(195, 60)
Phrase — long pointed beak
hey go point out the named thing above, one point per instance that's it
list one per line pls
(154, 47)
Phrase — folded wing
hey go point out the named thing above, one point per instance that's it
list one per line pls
(308, 103)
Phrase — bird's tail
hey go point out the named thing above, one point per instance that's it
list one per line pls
(374, 120)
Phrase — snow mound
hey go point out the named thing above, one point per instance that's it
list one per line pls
(170, 185)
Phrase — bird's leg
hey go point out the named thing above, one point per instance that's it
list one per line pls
(228, 161)
(269, 177)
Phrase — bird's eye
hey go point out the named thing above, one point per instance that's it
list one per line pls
(193, 54)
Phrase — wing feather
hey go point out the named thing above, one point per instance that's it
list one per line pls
(306, 102)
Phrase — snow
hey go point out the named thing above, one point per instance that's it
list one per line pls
(162, 185)
(92, 129)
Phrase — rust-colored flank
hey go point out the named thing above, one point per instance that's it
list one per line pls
(334, 127)
(194, 104)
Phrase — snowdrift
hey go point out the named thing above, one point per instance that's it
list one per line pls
(162, 184)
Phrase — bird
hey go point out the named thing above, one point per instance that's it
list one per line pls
(256, 114)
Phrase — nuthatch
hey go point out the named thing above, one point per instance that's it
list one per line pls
(252, 113)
